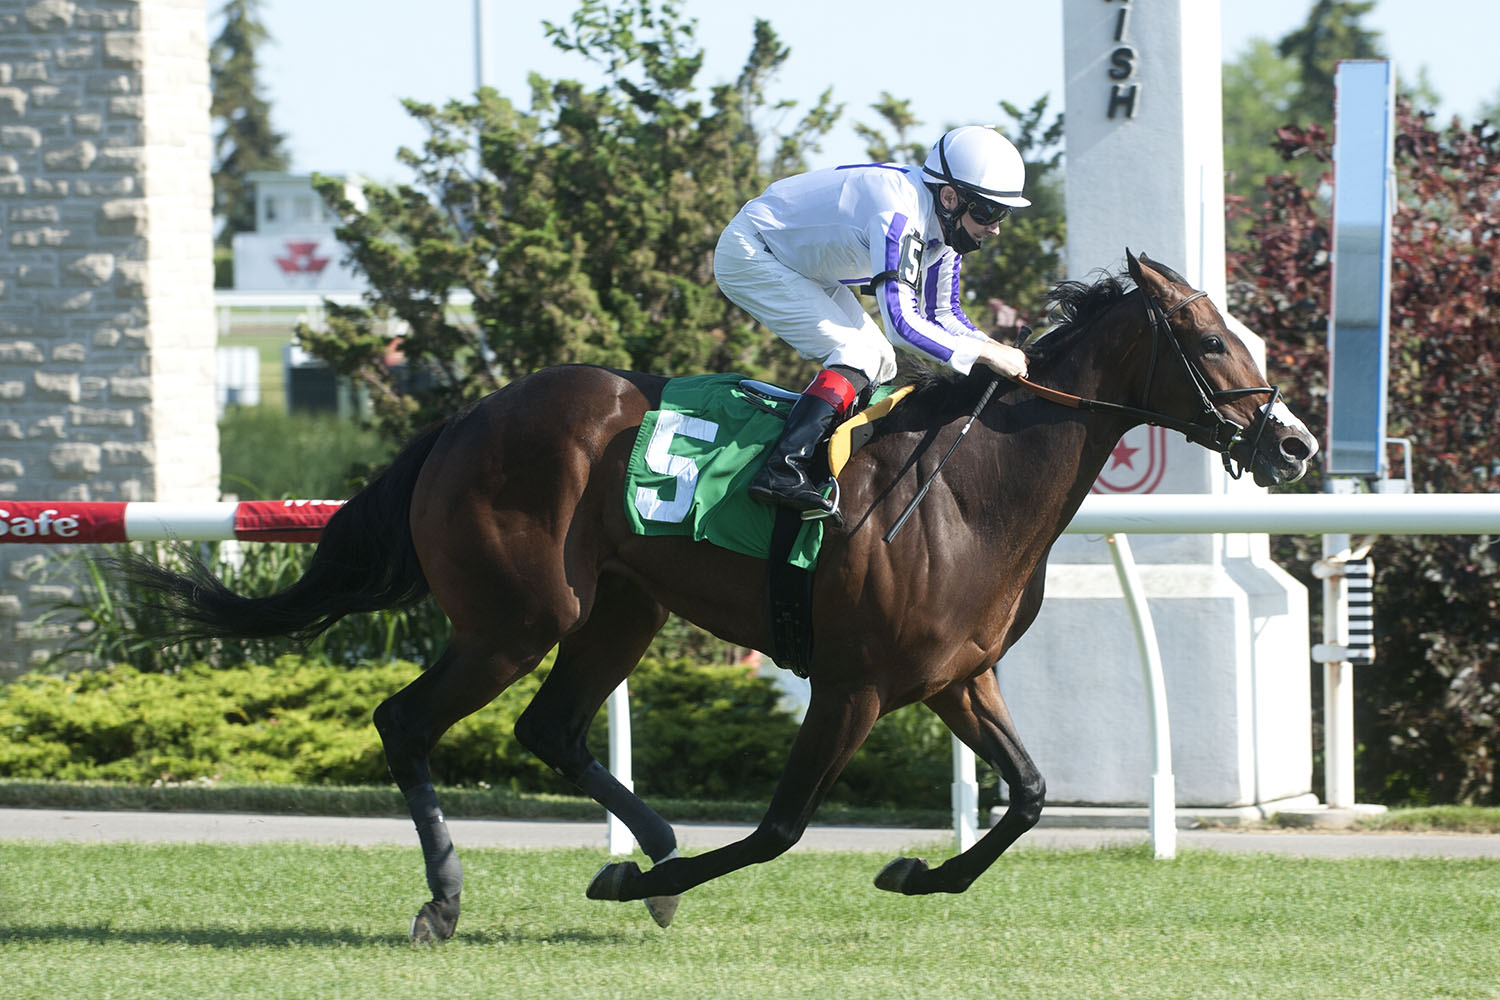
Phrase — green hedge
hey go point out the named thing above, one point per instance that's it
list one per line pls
(699, 732)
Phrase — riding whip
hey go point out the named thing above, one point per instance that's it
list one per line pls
(989, 391)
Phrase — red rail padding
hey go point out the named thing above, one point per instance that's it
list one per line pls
(282, 520)
(61, 521)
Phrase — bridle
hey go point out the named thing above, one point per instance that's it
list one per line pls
(1208, 427)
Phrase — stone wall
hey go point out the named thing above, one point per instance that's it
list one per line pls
(107, 329)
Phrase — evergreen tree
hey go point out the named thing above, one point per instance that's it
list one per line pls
(245, 140)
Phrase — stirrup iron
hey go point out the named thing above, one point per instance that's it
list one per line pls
(818, 514)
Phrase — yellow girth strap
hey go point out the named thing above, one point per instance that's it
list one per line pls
(854, 432)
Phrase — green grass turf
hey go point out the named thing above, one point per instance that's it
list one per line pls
(305, 921)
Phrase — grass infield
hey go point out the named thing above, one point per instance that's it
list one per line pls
(307, 921)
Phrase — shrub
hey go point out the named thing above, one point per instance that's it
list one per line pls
(700, 732)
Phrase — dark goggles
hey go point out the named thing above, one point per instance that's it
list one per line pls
(987, 213)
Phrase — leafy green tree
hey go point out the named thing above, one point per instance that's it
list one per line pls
(244, 140)
(1426, 711)
(584, 228)
(897, 115)
(1331, 32)
(586, 233)
(1289, 83)
(1260, 89)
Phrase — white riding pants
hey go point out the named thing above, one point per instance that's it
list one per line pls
(824, 323)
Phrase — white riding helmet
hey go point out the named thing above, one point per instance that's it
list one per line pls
(979, 163)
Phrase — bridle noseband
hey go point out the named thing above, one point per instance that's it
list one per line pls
(1208, 427)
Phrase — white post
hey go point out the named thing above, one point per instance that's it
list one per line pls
(620, 839)
(1163, 801)
(965, 797)
(1338, 686)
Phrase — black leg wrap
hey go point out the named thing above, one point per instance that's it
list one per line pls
(445, 876)
(653, 833)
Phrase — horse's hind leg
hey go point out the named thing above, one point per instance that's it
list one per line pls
(837, 722)
(976, 713)
(410, 722)
(591, 662)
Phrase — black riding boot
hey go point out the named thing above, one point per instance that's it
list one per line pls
(787, 480)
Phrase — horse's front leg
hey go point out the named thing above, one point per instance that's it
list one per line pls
(976, 713)
(837, 722)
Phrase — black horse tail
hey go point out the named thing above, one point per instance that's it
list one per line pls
(365, 561)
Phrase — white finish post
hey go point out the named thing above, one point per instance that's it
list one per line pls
(620, 839)
(1163, 801)
(1145, 170)
(1338, 686)
(965, 797)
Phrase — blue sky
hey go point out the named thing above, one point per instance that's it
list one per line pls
(337, 69)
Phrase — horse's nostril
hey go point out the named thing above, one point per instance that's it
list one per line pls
(1295, 449)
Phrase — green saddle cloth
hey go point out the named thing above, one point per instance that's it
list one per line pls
(693, 461)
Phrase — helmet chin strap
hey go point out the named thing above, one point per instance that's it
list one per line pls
(954, 233)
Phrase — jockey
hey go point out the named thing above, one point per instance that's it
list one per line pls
(792, 257)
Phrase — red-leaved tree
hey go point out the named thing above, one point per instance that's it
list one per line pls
(1426, 712)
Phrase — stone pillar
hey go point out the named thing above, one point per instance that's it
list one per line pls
(107, 330)
(1145, 170)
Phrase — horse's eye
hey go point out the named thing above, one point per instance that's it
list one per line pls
(1212, 345)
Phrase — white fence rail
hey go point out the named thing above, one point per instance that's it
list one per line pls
(1291, 514)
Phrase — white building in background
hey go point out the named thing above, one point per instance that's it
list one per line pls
(292, 248)
(284, 269)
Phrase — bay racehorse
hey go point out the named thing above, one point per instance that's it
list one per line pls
(511, 513)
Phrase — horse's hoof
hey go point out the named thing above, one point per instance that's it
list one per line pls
(610, 881)
(901, 875)
(435, 921)
(662, 909)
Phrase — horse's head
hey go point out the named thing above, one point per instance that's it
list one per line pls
(1216, 393)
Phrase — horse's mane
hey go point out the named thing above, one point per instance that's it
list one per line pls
(1073, 306)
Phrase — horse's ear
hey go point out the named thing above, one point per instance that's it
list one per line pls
(1145, 275)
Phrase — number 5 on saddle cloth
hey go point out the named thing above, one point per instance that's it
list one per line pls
(690, 470)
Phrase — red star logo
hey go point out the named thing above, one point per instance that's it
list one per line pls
(302, 258)
(1123, 455)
